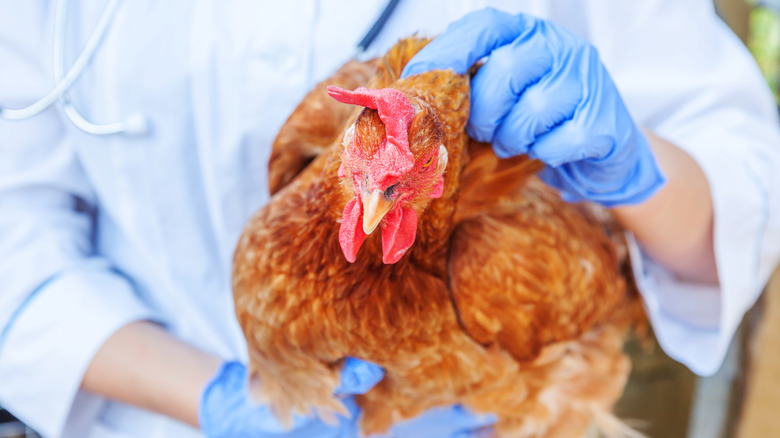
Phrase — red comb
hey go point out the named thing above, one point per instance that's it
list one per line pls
(396, 113)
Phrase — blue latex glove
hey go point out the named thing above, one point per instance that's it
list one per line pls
(227, 412)
(445, 422)
(543, 91)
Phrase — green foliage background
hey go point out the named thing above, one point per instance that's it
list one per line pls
(764, 42)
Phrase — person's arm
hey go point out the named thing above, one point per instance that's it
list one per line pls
(143, 365)
(697, 86)
(544, 91)
(675, 226)
(59, 300)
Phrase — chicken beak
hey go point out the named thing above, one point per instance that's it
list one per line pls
(375, 207)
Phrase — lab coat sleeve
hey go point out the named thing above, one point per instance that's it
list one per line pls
(58, 301)
(685, 76)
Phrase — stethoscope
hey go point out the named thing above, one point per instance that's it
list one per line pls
(135, 124)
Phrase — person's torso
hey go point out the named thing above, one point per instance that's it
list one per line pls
(215, 80)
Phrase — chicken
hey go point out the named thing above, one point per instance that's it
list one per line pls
(406, 244)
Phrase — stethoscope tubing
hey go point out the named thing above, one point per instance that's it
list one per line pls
(78, 67)
(135, 124)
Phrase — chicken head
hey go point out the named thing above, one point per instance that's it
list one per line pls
(392, 166)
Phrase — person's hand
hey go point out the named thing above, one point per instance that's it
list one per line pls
(544, 91)
(445, 422)
(226, 411)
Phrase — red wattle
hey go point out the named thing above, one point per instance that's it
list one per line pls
(399, 228)
(351, 233)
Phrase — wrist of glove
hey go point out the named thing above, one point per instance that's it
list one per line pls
(543, 91)
(226, 411)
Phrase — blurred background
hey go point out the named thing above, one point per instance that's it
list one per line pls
(663, 399)
(11, 428)
(758, 24)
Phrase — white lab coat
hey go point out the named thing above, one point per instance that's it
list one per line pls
(157, 217)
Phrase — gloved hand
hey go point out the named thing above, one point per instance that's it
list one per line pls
(225, 410)
(543, 91)
(444, 422)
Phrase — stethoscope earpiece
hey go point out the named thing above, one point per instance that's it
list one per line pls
(136, 125)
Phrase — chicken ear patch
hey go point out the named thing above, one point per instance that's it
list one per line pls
(399, 229)
(438, 189)
(351, 233)
(441, 164)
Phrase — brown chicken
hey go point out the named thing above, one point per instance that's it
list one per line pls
(480, 285)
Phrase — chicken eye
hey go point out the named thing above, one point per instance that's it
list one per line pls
(390, 191)
(428, 163)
